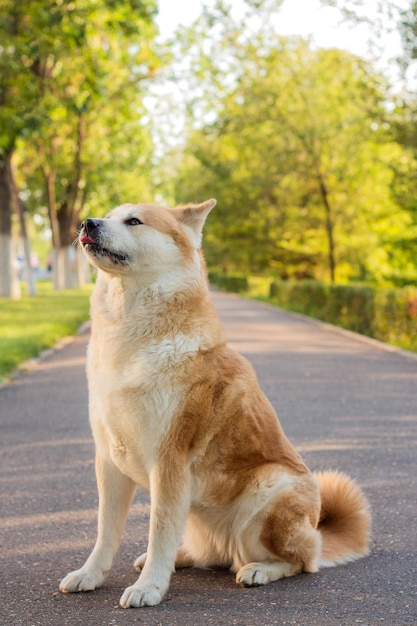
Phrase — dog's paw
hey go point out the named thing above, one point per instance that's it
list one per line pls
(140, 562)
(140, 595)
(252, 575)
(81, 580)
(256, 574)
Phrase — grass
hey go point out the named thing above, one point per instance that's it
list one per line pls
(32, 324)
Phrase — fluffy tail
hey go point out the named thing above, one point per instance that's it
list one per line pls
(345, 519)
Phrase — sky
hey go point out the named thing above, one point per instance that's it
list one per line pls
(307, 18)
(296, 17)
(301, 17)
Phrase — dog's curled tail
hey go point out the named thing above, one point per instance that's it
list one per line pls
(345, 519)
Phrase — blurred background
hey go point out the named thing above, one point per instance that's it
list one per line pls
(299, 116)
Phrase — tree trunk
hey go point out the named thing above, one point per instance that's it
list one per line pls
(329, 228)
(29, 279)
(65, 217)
(69, 211)
(20, 211)
(67, 267)
(65, 252)
(49, 178)
(9, 279)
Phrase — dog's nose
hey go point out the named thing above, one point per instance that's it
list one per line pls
(90, 225)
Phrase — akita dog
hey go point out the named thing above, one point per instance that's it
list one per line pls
(174, 410)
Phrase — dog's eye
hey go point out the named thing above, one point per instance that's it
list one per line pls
(133, 221)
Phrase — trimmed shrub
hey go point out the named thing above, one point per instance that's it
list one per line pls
(386, 314)
(396, 317)
(351, 307)
(278, 291)
(235, 283)
(309, 297)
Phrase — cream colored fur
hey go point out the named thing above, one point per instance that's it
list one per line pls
(175, 411)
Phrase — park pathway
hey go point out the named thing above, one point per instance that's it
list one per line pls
(345, 402)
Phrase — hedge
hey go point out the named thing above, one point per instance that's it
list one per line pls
(389, 315)
(235, 283)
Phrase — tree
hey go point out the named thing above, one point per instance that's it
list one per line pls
(84, 62)
(384, 19)
(15, 115)
(297, 155)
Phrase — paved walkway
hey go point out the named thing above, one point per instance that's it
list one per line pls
(345, 403)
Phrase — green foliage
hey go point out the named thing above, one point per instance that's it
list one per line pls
(258, 286)
(72, 78)
(298, 146)
(382, 20)
(30, 325)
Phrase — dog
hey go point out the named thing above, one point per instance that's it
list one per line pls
(177, 412)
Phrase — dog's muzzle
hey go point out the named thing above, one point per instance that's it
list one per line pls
(89, 231)
(91, 240)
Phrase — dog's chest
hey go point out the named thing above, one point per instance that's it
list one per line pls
(135, 400)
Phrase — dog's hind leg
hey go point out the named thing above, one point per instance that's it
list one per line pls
(288, 543)
(301, 553)
(115, 495)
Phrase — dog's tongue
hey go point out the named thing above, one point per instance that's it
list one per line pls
(86, 239)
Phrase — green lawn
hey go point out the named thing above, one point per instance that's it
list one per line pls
(32, 324)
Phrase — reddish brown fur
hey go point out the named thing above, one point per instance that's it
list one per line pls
(344, 517)
(167, 222)
(251, 436)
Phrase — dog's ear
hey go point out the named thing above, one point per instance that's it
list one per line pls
(194, 216)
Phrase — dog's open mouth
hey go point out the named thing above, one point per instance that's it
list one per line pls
(96, 249)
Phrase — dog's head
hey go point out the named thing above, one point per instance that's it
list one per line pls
(135, 238)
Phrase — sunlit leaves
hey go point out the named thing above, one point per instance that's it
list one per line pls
(298, 150)
(72, 97)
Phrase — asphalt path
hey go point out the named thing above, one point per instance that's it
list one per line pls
(346, 403)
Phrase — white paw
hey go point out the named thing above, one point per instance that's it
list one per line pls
(252, 575)
(140, 595)
(140, 562)
(81, 580)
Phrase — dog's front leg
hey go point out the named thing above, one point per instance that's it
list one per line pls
(170, 490)
(115, 495)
